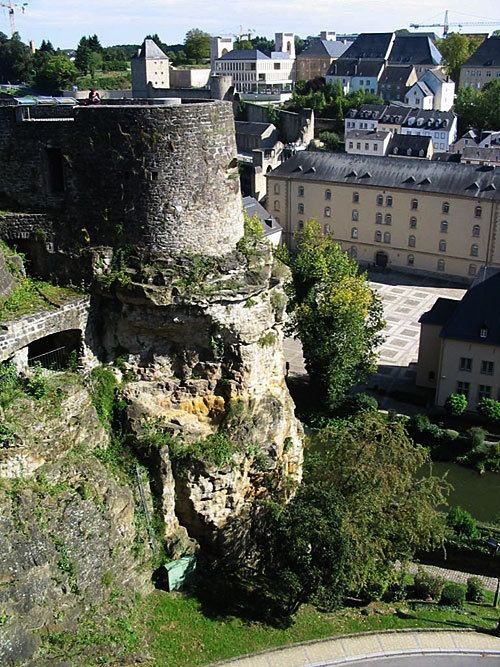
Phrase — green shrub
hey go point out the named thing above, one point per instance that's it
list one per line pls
(8, 375)
(475, 590)
(462, 522)
(456, 404)
(476, 436)
(104, 386)
(426, 585)
(420, 422)
(361, 403)
(452, 434)
(489, 408)
(453, 595)
(36, 384)
(330, 139)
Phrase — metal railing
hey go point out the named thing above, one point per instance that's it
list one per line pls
(54, 360)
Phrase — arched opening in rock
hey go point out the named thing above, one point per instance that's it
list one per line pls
(57, 350)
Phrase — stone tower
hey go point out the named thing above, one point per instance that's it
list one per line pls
(219, 46)
(149, 65)
(285, 43)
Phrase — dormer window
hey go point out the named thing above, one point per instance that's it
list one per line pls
(483, 332)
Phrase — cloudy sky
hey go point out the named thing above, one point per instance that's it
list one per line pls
(128, 21)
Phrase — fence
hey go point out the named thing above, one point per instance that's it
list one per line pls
(54, 360)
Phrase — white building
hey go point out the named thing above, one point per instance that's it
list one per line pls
(434, 90)
(149, 65)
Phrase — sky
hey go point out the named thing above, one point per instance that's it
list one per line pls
(64, 22)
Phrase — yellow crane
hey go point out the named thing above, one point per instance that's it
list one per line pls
(12, 7)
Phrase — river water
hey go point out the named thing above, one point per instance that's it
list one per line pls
(478, 494)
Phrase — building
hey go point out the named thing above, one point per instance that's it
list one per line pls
(434, 90)
(407, 145)
(149, 66)
(440, 126)
(459, 350)
(486, 156)
(259, 152)
(367, 142)
(396, 81)
(483, 66)
(417, 215)
(219, 46)
(356, 75)
(270, 228)
(315, 60)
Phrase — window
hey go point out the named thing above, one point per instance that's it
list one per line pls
(465, 364)
(472, 269)
(484, 391)
(350, 144)
(440, 265)
(300, 192)
(328, 195)
(378, 219)
(378, 237)
(55, 170)
(276, 205)
(446, 207)
(301, 208)
(301, 224)
(487, 367)
(474, 250)
(354, 252)
(367, 147)
(358, 145)
(463, 388)
(276, 188)
(375, 147)
(387, 237)
(413, 223)
(388, 219)
(380, 200)
(328, 212)
(354, 233)
(388, 201)
(414, 204)
(411, 241)
(476, 230)
(355, 197)
(444, 227)
(411, 260)
(442, 246)
(327, 228)
(483, 332)
(355, 215)
(478, 212)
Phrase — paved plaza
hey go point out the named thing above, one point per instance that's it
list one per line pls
(405, 298)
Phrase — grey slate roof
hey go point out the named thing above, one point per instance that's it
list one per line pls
(344, 67)
(151, 51)
(440, 312)
(416, 49)
(250, 54)
(372, 111)
(486, 55)
(395, 74)
(404, 142)
(382, 172)
(251, 127)
(379, 135)
(477, 310)
(424, 88)
(324, 48)
(370, 45)
(431, 118)
(268, 223)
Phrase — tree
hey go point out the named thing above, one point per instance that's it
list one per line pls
(197, 45)
(94, 44)
(56, 73)
(15, 60)
(46, 47)
(83, 56)
(243, 45)
(263, 44)
(456, 49)
(389, 509)
(335, 313)
(479, 109)
(331, 140)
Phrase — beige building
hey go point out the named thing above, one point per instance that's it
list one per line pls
(459, 349)
(315, 60)
(367, 142)
(417, 215)
(483, 66)
(149, 66)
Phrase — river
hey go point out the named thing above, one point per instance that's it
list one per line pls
(478, 494)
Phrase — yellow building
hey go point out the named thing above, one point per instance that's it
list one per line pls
(417, 215)
(483, 66)
(459, 349)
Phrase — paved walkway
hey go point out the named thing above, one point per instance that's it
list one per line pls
(374, 646)
(455, 576)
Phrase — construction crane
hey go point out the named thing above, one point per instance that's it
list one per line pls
(446, 24)
(12, 7)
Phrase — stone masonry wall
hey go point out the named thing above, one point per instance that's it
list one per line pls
(158, 177)
(6, 282)
(20, 332)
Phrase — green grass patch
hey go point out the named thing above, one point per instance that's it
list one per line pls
(31, 295)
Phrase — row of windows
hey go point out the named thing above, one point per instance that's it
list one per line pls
(487, 367)
(483, 390)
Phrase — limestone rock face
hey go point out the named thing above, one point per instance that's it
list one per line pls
(204, 346)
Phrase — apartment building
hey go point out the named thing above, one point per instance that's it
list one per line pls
(483, 66)
(417, 215)
(315, 60)
(433, 90)
(459, 350)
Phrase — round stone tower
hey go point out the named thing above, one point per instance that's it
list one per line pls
(160, 177)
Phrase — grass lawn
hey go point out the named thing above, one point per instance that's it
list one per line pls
(173, 630)
(31, 295)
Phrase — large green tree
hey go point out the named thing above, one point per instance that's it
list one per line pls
(56, 73)
(335, 313)
(479, 109)
(456, 49)
(15, 60)
(197, 45)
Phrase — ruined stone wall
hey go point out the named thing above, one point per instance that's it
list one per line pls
(164, 178)
(6, 282)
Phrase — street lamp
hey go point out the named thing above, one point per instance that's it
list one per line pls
(494, 546)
